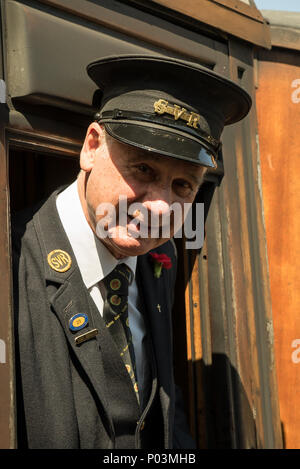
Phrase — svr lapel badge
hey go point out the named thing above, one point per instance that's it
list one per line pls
(78, 322)
(59, 260)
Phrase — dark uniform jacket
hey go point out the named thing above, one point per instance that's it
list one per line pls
(81, 396)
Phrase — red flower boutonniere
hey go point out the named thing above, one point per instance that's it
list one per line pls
(160, 261)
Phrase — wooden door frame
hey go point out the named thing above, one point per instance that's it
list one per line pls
(15, 138)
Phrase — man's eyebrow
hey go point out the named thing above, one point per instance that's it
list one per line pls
(143, 155)
(197, 180)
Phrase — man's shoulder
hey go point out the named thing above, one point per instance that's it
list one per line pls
(22, 222)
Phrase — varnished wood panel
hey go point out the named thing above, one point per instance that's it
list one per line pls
(7, 439)
(278, 109)
(230, 350)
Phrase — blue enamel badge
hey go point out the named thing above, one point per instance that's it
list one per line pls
(78, 322)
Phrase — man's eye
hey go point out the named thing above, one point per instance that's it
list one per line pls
(144, 172)
(144, 168)
(183, 188)
(184, 184)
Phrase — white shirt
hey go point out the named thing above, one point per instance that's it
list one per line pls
(95, 262)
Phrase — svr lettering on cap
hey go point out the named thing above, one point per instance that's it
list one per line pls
(162, 106)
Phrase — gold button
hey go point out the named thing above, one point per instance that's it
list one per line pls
(143, 425)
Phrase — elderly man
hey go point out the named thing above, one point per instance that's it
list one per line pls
(92, 298)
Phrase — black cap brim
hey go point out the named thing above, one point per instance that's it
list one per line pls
(159, 140)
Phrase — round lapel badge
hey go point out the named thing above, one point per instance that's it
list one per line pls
(59, 260)
(78, 322)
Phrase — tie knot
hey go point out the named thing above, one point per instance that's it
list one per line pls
(116, 284)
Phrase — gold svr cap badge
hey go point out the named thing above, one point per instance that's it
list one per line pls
(59, 260)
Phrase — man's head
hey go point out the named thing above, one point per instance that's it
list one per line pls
(157, 129)
(151, 184)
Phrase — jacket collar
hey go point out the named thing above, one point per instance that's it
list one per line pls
(93, 258)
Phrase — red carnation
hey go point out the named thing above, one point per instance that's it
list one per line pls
(160, 261)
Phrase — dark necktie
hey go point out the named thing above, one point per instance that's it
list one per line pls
(115, 314)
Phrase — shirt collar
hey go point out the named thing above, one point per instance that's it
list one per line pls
(94, 260)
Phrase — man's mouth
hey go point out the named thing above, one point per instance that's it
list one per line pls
(137, 225)
(152, 230)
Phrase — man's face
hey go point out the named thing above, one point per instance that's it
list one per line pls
(153, 182)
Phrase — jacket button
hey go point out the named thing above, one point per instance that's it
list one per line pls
(143, 425)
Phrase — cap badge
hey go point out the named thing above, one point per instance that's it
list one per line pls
(192, 118)
(162, 106)
(59, 260)
(78, 322)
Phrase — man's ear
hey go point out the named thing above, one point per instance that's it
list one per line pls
(93, 140)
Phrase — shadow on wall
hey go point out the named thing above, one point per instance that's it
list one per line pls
(229, 420)
(223, 417)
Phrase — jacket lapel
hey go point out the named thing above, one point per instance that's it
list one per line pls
(68, 297)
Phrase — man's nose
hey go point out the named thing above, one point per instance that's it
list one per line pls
(157, 207)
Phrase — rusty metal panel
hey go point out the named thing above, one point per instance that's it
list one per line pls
(254, 259)
(278, 101)
(231, 369)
